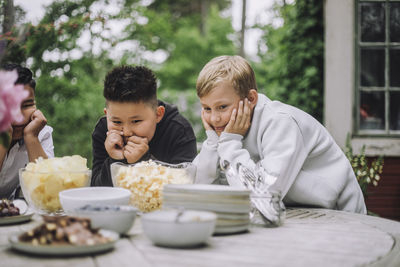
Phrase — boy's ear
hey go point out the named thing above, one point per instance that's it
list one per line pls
(252, 96)
(160, 113)
(105, 111)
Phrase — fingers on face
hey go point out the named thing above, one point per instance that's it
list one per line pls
(137, 139)
(37, 114)
(246, 113)
(134, 151)
(233, 116)
(118, 132)
(203, 119)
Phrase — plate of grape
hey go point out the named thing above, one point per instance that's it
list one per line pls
(14, 212)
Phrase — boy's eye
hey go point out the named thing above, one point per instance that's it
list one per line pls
(222, 107)
(116, 122)
(136, 121)
(27, 106)
(206, 109)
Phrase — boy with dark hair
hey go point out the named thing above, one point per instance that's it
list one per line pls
(246, 127)
(30, 139)
(137, 126)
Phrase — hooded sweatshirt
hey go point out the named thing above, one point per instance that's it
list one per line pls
(173, 142)
(291, 145)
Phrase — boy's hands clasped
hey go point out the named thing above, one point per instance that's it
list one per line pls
(239, 122)
(133, 150)
(114, 144)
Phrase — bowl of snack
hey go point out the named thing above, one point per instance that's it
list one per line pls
(41, 181)
(146, 180)
(123, 216)
(179, 228)
(76, 198)
(64, 235)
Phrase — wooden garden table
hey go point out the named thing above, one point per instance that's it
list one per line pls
(309, 237)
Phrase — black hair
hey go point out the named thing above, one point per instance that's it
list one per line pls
(25, 75)
(131, 84)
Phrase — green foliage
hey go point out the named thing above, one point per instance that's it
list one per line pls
(366, 172)
(69, 89)
(70, 73)
(191, 51)
(292, 68)
(73, 103)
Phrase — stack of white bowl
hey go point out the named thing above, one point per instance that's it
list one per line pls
(231, 204)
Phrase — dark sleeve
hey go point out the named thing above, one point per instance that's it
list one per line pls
(101, 175)
(183, 147)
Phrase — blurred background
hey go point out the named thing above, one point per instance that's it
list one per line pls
(337, 60)
(73, 44)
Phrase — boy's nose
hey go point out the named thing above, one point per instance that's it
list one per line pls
(127, 132)
(215, 117)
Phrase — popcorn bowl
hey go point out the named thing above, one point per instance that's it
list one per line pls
(41, 189)
(146, 179)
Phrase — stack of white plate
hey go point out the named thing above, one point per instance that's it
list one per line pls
(232, 205)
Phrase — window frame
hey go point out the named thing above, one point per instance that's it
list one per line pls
(387, 89)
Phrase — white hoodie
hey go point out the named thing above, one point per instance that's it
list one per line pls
(311, 168)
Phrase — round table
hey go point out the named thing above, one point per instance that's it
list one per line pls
(309, 237)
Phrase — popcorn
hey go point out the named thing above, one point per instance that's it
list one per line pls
(42, 180)
(146, 180)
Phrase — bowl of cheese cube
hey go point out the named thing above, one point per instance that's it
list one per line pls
(146, 180)
(41, 181)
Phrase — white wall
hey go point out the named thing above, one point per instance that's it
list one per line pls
(339, 68)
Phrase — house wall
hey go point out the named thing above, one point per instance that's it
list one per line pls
(339, 68)
(339, 102)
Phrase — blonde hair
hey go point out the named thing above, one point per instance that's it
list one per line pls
(233, 69)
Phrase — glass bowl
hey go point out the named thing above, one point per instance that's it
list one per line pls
(41, 189)
(146, 180)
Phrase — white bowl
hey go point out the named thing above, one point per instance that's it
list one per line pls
(118, 218)
(72, 199)
(192, 228)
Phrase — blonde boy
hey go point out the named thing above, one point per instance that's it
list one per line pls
(245, 126)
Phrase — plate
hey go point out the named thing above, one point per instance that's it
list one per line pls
(16, 219)
(206, 189)
(215, 207)
(64, 249)
(196, 197)
(231, 229)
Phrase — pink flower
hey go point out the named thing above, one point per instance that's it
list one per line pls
(11, 97)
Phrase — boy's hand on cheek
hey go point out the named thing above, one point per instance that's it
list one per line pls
(38, 121)
(135, 148)
(114, 144)
(205, 124)
(239, 122)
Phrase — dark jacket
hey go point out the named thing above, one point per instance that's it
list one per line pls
(173, 142)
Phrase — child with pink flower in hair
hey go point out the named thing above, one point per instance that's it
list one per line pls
(30, 138)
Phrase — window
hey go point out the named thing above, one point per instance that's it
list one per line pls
(378, 69)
